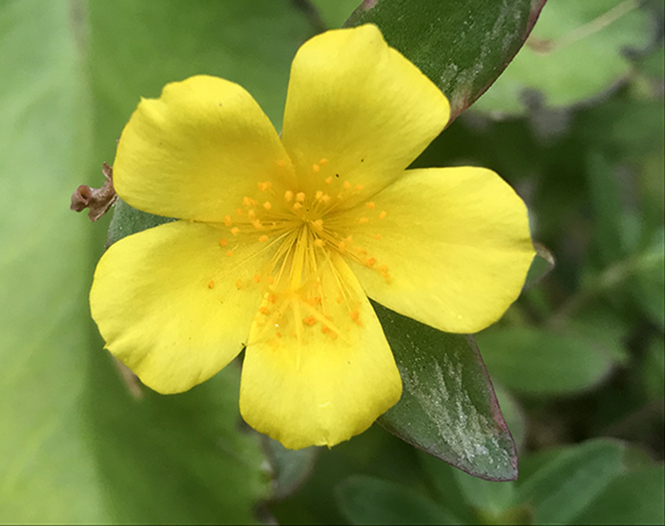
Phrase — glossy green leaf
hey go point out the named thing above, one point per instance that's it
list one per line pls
(461, 45)
(632, 498)
(368, 500)
(541, 362)
(575, 52)
(565, 485)
(448, 407)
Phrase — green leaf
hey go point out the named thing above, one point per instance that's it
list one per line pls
(334, 14)
(632, 498)
(461, 45)
(76, 446)
(575, 52)
(542, 362)
(368, 500)
(448, 407)
(562, 487)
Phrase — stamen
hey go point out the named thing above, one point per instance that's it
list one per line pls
(211, 284)
(328, 180)
(323, 161)
(359, 187)
(257, 278)
(300, 197)
(318, 195)
(267, 205)
(347, 185)
(235, 230)
(227, 220)
(229, 253)
(223, 242)
(370, 204)
(264, 310)
(248, 201)
(316, 168)
(319, 243)
(288, 195)
(383, 214)
(318, 224)
(264, 187)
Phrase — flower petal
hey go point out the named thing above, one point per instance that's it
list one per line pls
(195, 152)
(450, 247)
(323, 374)
(168, 304)
(357, 111)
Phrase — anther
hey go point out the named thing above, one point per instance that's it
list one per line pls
(309, 320)
(248, 201)
(223, 242)
(370, 205)
(319, 243)
(316, 168)
(371, 262)
(300, 197)
(229, 253)
(323, 161)
(239, 284)
(227, 220)
(328, 180)
(377, 236)
(347, 184)
(281, 163)
(263, 238)
(257, 224)
(297, 206)
(318, 195)
(270, 280)
(359, 187)
(267, 205)
(363, 220)
(240, 211)
(251, 214)
(341, 245)
(318, 224)
(264, 310)
(235, 230)
(383, 214)
(211, 284)
(288, 195)
(264, 186)
(257, 278)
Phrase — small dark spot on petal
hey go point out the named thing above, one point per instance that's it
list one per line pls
(336, 175)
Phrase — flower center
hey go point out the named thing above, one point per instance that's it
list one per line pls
(305, 232)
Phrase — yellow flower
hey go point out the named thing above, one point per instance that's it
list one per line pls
(280, 241)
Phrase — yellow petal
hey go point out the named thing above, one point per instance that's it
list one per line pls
(357, 111)
(195, 152)
(450, 247)
(318, 373)
(169, 303)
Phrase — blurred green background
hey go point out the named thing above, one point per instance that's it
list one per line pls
(575, 124)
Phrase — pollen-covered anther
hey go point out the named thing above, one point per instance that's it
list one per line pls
(363, 220)
(257, 278)
(323, 161)
(309, 320)
(347, 185)
(297, 206)
(341, 246)
(370, 205)
(270, 280)
(267, 205)
(328, 180)
(315, 168)
(223, 242)
(235, 230)
(383, 214)
(263, 238)
(371, 262)
(288, 196)
(248, 201)
(229, 253)
(227, 220)
(318, 195)
(318, 224)
(251, 214)
(264, 310)
(359, 187)
(300, 197)
(257, 224)
(211, 284)
(264, 187)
